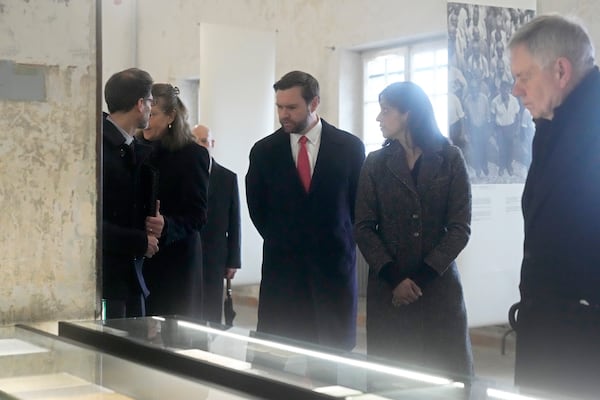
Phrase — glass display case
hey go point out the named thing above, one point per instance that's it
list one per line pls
(37, 365)
(269, 367)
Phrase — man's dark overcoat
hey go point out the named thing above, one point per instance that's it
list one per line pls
(308, 289)
(124, 210)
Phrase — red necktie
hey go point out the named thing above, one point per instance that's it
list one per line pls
(303, 164)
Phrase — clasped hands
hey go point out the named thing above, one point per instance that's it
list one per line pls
(406, 292)
(154, 228)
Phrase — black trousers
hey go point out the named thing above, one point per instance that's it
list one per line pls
(134, 306)
(558, 348)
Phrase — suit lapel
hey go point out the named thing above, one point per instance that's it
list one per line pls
(398, 166)
(283, 160)
(329, 150)
(212, 178)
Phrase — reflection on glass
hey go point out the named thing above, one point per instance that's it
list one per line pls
(500, 394)
(304, 367)
(402, 373)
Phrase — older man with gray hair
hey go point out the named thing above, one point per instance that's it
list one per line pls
(558, 326)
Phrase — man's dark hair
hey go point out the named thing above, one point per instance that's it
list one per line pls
(123, 90)
(309, 85)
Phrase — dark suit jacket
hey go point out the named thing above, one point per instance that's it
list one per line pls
(308, 287)
(220, 238)
(174, 274)
(123, 213)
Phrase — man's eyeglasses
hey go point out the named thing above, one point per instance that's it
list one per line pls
(152, 101)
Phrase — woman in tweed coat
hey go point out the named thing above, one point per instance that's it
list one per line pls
(413, 213)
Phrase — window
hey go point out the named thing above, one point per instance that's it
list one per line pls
(425, 64)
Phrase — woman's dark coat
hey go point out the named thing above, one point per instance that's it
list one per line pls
(407, 225)
(174, 274)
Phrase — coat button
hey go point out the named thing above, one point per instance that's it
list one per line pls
(122, 152)
(416, 234)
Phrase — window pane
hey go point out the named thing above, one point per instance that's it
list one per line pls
(428, 69)
(395, 64)
(372, 133)
(374, 87)
(422, 60)
(425, 79)
(376, 66)
(395, 78)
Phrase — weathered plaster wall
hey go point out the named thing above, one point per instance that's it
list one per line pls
(48, 164)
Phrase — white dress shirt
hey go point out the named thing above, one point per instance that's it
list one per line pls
(312, 145)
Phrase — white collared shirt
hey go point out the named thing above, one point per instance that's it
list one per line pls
(128, 138)
(312, 144)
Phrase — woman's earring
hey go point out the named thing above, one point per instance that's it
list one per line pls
(169, 126)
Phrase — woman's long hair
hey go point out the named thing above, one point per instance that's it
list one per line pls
(408, 97)
(179, 132)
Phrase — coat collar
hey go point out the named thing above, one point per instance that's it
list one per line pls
(328, 148)
(396, 162)
(557, 144)
(111, 133)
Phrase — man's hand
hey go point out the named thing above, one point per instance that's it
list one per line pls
(155, 225)
(230, 273)
(405, 293)
(152, 248)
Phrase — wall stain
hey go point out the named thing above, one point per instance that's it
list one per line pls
(48, 179)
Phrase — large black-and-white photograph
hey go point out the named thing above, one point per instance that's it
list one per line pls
(486, 121)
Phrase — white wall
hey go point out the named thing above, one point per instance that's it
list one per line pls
(119, 38)
(236, 102)
(307, 31)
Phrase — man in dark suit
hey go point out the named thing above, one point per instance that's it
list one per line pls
(221, 234)
(301, 186)
(128, 235)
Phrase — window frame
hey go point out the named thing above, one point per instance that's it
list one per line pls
(371, 134)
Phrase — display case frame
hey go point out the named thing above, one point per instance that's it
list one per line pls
(35, 364)
(160, 358)
(120, 337)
